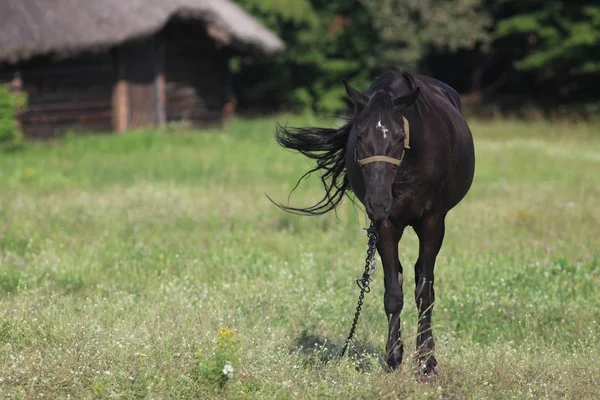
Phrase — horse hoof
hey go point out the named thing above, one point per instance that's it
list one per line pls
(392, 368)
(427, 379)
(394, 361)
(427, 370)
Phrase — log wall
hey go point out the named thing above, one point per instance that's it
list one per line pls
(197, 78)
(74, 94)
(141, 67)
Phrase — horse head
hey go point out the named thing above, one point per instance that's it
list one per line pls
(381, 133)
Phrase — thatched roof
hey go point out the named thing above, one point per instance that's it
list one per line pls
(33, 27)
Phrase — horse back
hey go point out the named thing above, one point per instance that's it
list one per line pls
(444, 90)
(459, 171)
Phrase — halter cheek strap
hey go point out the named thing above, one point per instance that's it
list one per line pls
(387, 159)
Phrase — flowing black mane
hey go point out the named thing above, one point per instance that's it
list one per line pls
(327, 146)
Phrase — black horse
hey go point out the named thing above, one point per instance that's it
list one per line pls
(408, 155)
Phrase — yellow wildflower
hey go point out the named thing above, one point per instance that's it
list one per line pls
(226, 332)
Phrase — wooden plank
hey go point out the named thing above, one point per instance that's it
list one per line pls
(141, 99)
(160, 94)
(44, 97)
(195, 113)
(58, 119)
(69, 114)
(78, 105)
(90, 72)
(122, 106)
(140, 75)
(181, 91)
(120, 101)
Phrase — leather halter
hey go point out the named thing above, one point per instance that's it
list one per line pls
(387, 159)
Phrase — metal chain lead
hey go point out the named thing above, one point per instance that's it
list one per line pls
(364, 282)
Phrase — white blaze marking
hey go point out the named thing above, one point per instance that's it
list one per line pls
(382, 128)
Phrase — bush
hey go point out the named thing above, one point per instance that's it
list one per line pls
(216, 368)
(11, 138)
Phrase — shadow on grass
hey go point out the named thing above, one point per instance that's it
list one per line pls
(318, 350)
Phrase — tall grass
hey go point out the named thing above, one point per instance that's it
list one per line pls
(133, 266)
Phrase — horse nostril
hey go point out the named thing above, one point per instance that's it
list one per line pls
(378, 207)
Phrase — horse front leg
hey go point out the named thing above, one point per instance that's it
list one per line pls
(431, 235)
(393, 299)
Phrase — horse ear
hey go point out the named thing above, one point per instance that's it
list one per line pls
(404, 102)
(358, 99)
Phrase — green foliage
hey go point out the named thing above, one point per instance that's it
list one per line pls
(274, 12)
(470, 44)
(218, 367)
(326, 41)
(561, 35)
(409, 29)
(330, 40)
(10, 136)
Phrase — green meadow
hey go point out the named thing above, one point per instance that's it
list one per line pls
(151, 265)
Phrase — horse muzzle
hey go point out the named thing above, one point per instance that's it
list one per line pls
(378, 207)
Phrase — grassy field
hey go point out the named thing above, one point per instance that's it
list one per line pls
(139, 266)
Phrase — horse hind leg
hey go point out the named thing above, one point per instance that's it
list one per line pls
(393, 299)
(431, 235)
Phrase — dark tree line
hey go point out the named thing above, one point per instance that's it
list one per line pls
(509, 53)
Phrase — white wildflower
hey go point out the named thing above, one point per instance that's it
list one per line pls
(228, 370)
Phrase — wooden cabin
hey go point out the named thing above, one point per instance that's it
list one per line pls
(124, 64)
